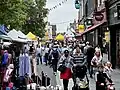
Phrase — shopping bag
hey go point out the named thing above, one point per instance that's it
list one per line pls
(62, 68)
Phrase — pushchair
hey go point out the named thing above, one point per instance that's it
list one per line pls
(80, 78)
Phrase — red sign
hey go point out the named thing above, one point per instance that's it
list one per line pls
(99, 16)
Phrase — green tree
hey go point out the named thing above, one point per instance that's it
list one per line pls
(35, 19)
(13, 13)
(25, 15)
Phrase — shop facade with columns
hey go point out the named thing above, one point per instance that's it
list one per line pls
(114, 27)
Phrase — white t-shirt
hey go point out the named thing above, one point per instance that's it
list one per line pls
(46, 50)
(38, 51)
(96, 59)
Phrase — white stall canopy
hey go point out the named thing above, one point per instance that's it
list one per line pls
(15, 36)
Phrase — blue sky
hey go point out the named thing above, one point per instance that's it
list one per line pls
(65, 12)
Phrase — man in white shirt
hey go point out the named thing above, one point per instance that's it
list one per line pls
(86, 47)
(38, 54)
(46, 54)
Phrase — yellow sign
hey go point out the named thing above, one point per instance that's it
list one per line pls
(46, 36)
(107, 36)
(60, 37)
(81, 28)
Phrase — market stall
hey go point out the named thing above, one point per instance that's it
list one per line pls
(14, 35)
(31, 36)
(60, 37)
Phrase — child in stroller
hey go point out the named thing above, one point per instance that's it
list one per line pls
(80, 78)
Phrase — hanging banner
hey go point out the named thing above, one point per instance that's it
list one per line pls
(50, 32)
(58, 5)
(46, 36)
(107, 36)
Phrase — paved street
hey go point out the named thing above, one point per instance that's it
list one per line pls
(55, 80)
(49, 72)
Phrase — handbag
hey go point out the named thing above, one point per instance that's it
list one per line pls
(62, 67)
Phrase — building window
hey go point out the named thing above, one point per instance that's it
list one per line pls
(100, 2)
(86, 9)
(103, 1)
(118, 48)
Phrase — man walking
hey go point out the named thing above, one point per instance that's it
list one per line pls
(55, 57)
(38, 54)
(90, 54)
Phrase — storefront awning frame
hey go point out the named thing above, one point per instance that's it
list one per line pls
(90, 29)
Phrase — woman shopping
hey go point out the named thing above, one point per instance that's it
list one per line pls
(66, 61)
(96, 60)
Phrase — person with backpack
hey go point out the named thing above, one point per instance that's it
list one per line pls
(46, 54)
(90, 54)
(31, 49)
(55, 57)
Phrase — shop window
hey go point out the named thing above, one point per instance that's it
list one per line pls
(86, 9)
(100, 2)
(118, 48)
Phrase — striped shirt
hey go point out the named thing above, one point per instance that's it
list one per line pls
(79, 59)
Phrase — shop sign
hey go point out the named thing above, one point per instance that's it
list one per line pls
(77, 30)
(88, 23)
(115, 14)
(99, 16)
(118, 10)
(81, 28)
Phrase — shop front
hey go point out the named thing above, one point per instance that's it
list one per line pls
(114, 27)
(96, 31)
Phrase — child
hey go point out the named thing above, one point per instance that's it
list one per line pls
(101, 78)
(108, 68)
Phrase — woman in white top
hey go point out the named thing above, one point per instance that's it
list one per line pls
(97, 57)
(96, 60)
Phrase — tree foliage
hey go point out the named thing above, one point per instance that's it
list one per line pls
(13, 13)
(36, 15)
(25, 15)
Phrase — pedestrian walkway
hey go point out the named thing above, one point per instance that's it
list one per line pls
(116, 78)
(48, 71)
(60, 81)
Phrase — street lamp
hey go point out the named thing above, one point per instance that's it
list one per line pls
(77, 4)
(88, 22)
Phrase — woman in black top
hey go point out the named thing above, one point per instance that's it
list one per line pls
(101, 78)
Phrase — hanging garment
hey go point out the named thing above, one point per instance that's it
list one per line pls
(27, 65)
(5, 58)
(8, 73)
(34, 64)
(21, 65)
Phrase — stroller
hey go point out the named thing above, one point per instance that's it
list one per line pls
(80, 78)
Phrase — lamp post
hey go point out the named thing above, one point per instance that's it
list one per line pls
(77, 4)
(88, 22)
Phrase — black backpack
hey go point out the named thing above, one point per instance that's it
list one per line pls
(55, 54)
(31, 49)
